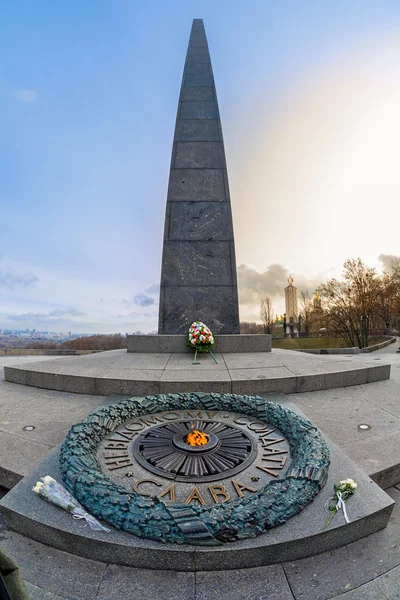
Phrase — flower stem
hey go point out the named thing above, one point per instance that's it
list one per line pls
(329, 521)
(215, 360)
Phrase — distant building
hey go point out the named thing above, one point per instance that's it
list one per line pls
(292, 309)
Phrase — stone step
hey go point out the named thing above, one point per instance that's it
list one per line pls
(369, 510)
(365, 569)
(140, 374)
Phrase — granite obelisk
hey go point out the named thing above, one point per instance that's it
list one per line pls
(198, 276)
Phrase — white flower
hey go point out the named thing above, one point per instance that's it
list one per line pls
(349, 482)
(38, 487)
(48, 479)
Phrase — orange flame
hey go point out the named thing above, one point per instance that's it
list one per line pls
(196, 438)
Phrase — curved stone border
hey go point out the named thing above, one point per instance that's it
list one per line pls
(352, 350)
(199, 525)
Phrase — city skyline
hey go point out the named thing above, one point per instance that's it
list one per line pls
(308, 102)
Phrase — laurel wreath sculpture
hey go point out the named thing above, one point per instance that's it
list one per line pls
(165, 521)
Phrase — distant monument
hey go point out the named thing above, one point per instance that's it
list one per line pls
(292, 310)
(198, 276)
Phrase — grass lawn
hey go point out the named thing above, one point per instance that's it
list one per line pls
(315, 343)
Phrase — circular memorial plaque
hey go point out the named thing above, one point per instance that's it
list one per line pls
(239, 455)
(194, 468)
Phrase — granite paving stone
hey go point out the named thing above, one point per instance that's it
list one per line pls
(147, 584)
(18, 455)
(317, 577)
(252, 360)
(368, 591)
(260, 583)
(54, 570)
(389, 584)
(9, 402)
(50, 433)
(38, 593)
(378, 455)
(339, 418)
(203, 361)
(383, 394)
(137, 360)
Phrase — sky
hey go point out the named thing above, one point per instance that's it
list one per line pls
(309, 96)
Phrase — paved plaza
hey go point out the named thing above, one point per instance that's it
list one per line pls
(366, 569)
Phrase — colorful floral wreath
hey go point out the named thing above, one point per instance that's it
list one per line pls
(200, 339)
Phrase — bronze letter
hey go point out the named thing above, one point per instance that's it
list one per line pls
(257, 423)
(219, 490)
(241, 422)
(194, 495)
(170, 491)
(273, 473)
(119, 463)
(130, 426)
(210, 414)
(140, 481)
(197, 414)
(150, 420)
(167, 416)
(239, 487)
(116, 445)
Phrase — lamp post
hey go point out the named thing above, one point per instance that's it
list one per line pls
(364, 330)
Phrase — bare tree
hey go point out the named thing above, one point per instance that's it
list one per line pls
(389, 299)
(350, 303)
(267, 315)
(306, 309)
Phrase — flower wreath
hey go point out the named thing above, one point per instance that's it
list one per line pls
(200, 339)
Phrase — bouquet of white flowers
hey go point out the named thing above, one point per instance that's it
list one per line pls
(343, 491)
(55, 493)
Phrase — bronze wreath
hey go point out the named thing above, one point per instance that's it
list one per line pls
(200, 525)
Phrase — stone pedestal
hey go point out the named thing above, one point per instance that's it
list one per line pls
(175, 344)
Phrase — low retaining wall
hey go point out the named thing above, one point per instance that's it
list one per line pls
(354, 350)
(42, 352)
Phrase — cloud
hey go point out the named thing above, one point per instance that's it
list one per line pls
(388, 259)
(25, 96)
(153, 289)
(143, 300)
(51, 315)
(254, 285)
(10, 279)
